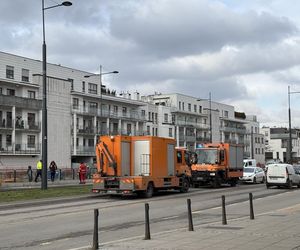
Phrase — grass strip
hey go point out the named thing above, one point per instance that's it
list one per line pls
(35, 193)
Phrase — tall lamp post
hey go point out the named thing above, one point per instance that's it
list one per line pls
(44, 110)
(101, 85)
(290, 146)
(210, 116)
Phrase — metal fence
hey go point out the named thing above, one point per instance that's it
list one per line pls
(21, 175)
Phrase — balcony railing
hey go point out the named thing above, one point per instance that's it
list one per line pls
(234, 130)
(131, 115)
(202, 139)
(20, 102)
(86, 130)
(22, 125)
(84, 150)
(193, 124)
(21, 149)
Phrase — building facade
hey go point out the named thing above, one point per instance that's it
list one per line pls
(80, 110)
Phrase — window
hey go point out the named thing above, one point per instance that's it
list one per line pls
(189, 107)
(149, 116)
(225, 113)
(93, 106)
(90, 142)
(170, 132)
(31, 94)
(31, 141)
(266, 133)
(183, 106)
(31, 120)
(84, 142)
(124, 111)
(9, 72)
(93, 88)
(77, 141)
(152, 116)
(165, 117)
(152, 131)
(195, 108)
(143, 113)
(115, 109)
(128, 129)
(156, 131)
(148, 130)
(75, 103)
(10, 92)
(8, 140)
(200, 109)
(0, 91)
(262, 151)
(258, 150)
(173, 119)
(25, 75)
(72, 83)
(179, 105)
(156, 118)
(83, 86)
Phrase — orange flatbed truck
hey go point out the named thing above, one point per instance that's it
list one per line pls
(140, 165)
(215, 164)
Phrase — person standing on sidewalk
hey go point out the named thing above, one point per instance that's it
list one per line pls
(53, 169)
(39, 167)
(29, 173)
(82, 172)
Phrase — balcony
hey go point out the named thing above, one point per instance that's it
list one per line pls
(190, 138)
(21, 125)
(192, 124)
(129, 115)
(86, 131)
(238, 130)
(283, 136)
(84, 150)
(6, 126)
(232, 141)
(202, 139)
(20, 102)
(21, 149)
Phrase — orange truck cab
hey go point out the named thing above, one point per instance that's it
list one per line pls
(215, 164)
(140, 165)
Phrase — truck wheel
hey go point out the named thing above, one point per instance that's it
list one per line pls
(149, 192)
(184, 186)
(216, 183)
(233, 183)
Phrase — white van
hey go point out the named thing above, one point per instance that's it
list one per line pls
(281, 174)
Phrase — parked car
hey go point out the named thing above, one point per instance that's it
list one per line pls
(282, 174)
(253, 175)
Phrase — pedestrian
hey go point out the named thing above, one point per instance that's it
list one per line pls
(39, 167)
(29, 173)
(82, 172)
(53, 169)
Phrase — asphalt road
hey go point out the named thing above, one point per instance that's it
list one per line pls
(69, 224)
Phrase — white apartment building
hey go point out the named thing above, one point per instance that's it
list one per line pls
(276, 143)
(79, 110)
(77, 113)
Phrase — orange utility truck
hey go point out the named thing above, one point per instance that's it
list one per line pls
(215, 164)
(141, 165)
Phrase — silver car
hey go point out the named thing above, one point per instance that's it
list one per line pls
(253, 175)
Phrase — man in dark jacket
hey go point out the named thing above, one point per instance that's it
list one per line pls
(53, 169)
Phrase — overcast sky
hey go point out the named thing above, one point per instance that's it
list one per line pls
(245, 53)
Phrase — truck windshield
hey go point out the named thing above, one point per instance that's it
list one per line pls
(207, 156)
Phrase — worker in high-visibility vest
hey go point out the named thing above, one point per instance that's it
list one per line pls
(39, 167)
(82, 172)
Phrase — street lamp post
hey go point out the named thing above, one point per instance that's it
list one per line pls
(290, 145)
(210, 121)
(44, 108)
(101, 85)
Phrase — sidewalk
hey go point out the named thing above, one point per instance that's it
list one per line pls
(277, 230)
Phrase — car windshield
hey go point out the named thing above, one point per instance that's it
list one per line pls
(249, 170)
(207, 156)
